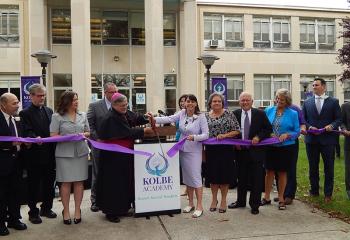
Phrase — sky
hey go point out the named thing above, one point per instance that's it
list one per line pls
(338, 4)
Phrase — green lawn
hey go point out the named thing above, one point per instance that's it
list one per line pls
(340, 206)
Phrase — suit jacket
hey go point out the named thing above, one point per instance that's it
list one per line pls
(259, 124)
(198, 128)
(289, 123)
(33, 126)
(345, 111)
(330, 114)
(9, 156)
(64, 126)
(96, 112)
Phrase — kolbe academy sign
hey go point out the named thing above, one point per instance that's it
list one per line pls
(157, 180)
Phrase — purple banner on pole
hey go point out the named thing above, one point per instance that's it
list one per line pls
(219, 85)
(26, 82)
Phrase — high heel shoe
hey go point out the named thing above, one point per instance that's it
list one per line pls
(77, 220)
(66, 221)
(213, 209)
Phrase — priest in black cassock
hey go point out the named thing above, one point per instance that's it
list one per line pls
(115, 183)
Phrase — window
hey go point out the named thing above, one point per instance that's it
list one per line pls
(61, 26)
(10, 83)
(115, 28)
(137, 24)
(281, 30)
(317, 34)
(61, 83)
(169, 29)
(223, 30)
(265, 87)
(170, 93)
(261, 33)
(213, 27)
(233, 31)
(9, 36)
(271, 32)
(308, 92)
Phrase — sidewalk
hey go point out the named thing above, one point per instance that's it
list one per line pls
(299, 221)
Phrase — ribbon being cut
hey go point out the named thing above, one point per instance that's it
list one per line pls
(172, 151)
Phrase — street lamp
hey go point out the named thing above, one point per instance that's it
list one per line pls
(208, 60)
(305, 83)
(43, 57)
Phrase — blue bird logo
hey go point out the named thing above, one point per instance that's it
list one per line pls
(156, 161)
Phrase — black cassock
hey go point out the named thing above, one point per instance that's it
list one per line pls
(115, 182)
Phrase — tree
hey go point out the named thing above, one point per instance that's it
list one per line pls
(344, 52)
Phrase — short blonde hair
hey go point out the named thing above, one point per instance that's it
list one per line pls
(285, 93)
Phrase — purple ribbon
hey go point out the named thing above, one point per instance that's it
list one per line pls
(322, 130)
(227, 141)
(75, 138)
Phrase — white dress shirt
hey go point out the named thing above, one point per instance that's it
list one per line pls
(322, 98)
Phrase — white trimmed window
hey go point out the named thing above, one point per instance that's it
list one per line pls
(265, 87)
(223, 31)
(317, 34)
(9, 36)
(271, 32)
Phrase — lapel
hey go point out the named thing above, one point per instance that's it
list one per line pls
(103, 106)
(239, 117)
(4, 125)
(325, 105)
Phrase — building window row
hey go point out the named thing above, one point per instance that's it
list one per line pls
(227, 31)
(9, 36)
(111, 27)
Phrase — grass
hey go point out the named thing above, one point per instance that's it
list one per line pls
(340, 206)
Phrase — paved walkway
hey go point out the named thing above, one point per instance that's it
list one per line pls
(299, 221)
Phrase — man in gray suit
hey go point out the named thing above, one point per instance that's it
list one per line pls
(345, 111)
(97, 110)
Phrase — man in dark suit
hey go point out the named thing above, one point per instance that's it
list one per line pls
(345, 110)
(40, 158)
(97, 110)
(10, 166)
(255, 126)
(321, 112)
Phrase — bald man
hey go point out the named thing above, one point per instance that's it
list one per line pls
(10, 170)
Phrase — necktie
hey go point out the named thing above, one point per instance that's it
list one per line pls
(318, 104)
(246, 126)
(12, 127)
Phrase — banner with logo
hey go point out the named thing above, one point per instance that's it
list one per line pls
(26, 82)
(219, 85)
(157, 180)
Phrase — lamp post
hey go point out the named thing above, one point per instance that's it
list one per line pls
(208, 60)
(305, 83)
(43, 57)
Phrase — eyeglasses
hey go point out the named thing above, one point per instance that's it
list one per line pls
(40, 95)
(112, 92)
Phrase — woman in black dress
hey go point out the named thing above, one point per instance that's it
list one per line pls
(220, 158)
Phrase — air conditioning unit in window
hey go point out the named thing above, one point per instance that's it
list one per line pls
(214, 43)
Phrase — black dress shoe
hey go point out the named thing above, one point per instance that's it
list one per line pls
(17, 224)
(112, 218)
(235, 205)
(94, 208)
(35, 219)
(3, 230)
(77, 220)
(48, 214)
(254, 211)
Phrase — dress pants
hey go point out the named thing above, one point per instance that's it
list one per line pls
(253, 168)
(9, 196)
(41, 179)
(347, 171)
(291, 186)
(94, 174)
(313, 153)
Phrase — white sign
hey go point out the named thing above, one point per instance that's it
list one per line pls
(157, 179)
(140, 98)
